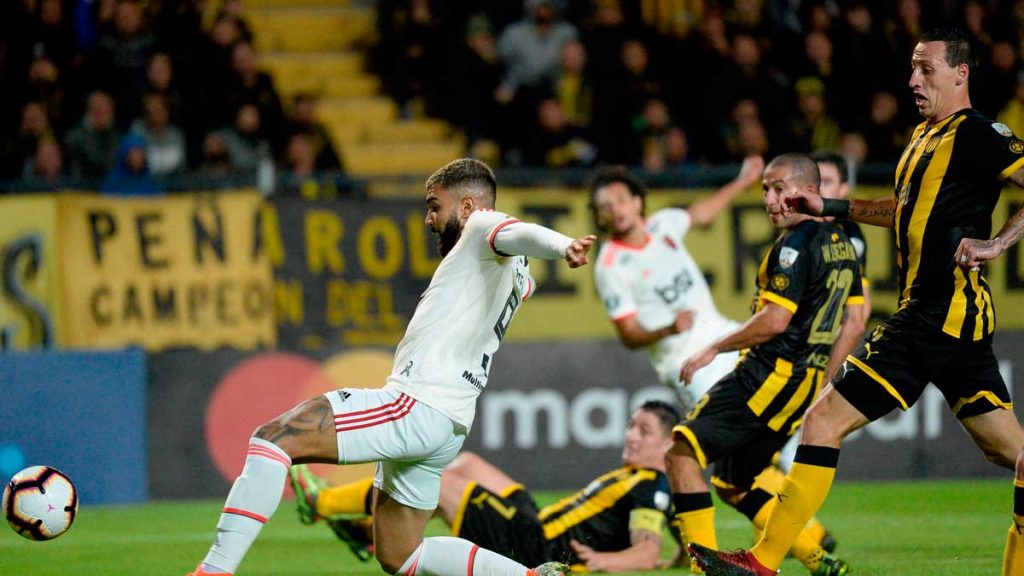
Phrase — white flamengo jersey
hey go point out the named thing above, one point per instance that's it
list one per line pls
(656, 281)
(446, 354)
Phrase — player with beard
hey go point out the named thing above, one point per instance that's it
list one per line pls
(416, 424)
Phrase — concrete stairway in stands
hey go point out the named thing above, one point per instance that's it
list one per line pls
(318, 46)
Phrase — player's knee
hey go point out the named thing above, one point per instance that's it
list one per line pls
(1002, 455)
(1019, 467)
(818, 427)
(680, 457)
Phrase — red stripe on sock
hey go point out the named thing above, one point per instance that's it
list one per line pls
(261, 451)
(472, 557)
(345, 421)
(247, 514)
(383, 419)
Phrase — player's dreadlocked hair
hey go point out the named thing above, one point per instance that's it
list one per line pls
(958, 47)
(465, 176)
(666, 413)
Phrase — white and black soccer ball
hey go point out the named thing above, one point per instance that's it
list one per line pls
(40, 503)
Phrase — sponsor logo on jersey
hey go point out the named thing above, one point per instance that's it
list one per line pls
(780, 281)
(343, 395)
(474, 380)
(788, 256)
(1016, 146)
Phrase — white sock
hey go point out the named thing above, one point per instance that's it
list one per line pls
(448, 556)
(252, 501)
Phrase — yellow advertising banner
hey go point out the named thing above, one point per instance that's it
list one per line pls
(567, 306)
(30, 314)
(184, 270)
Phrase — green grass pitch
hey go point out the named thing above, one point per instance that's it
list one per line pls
(905, 529)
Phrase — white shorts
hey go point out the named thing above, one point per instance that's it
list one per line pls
(410, 441)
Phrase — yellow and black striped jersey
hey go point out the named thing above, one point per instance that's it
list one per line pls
(602, 514)
(812, 270)
(947, 184)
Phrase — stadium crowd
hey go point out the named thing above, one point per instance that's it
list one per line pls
(120, 94)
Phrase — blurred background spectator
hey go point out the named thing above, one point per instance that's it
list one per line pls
(648, 83)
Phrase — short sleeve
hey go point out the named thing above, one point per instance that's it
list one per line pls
(991, 147)
(650, 505)
(674, 222)
(615, 293)
(786, 271)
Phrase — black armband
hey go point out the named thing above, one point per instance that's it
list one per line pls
(835, 208)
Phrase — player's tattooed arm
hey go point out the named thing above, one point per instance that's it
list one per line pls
(879, 212)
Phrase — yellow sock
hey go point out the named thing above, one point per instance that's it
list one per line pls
(802, 493)
(807, 547)
(1013, 554)
(695, 520)
(348, 498)
(770, 480)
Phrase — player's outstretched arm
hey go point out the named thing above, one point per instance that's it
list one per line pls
(769, 322)
(879, 212)
(576, 253)
(704, 211)
(643, 554)
(973, 251)
(514, 238)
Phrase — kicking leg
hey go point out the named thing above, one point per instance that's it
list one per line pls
(304, 434)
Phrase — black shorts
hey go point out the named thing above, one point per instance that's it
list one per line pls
(891, 369)
(507, 525)
(724, 431)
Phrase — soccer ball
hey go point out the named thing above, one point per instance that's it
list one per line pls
(40, 503)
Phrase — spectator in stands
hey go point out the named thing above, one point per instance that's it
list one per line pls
(418, 57)
(245, 141)
(854, 148)
(216, 164)
(160, 79)
(478, 74)
(212, 86)
(165, 142)
(884, 133)
(53, 37)
(122, 57)
(557, 144)
(672, 152)
(92, 145)
(23, 146)
(572, 86)
(647, 140)
(131, 175)
(254, 87)
(299, 177)
(1013, 113)
(814, 128)
(999, 78)
(45, 168)
(45, 84)
(303, 121)
(530, 50)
